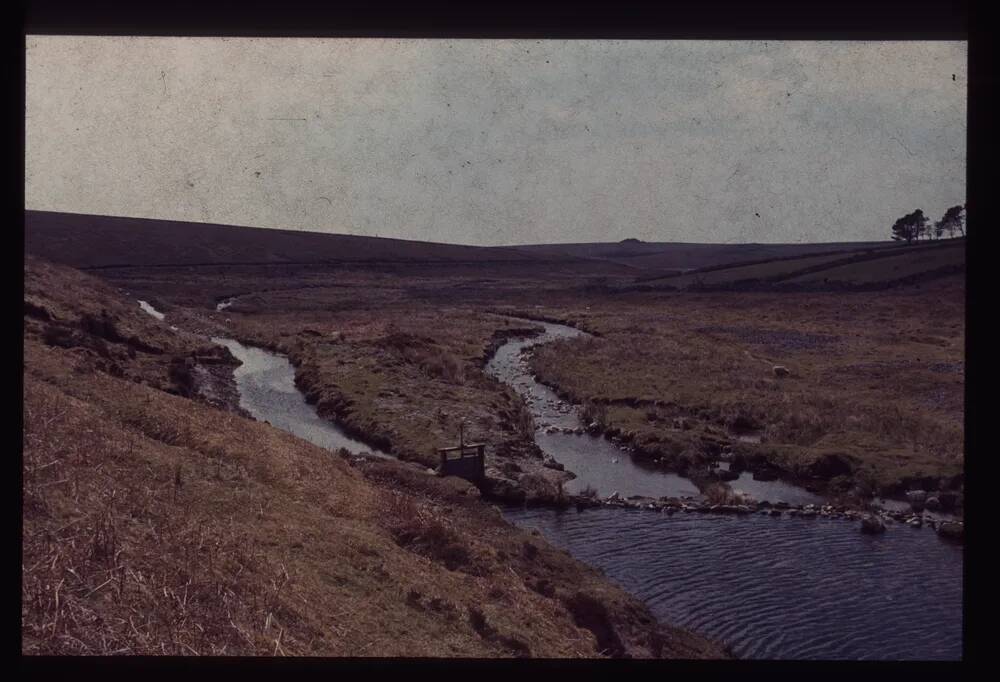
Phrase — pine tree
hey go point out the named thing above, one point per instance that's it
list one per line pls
(910, 227)
(951, 222)
(921, 225)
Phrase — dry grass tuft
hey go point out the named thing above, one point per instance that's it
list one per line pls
(417, 529)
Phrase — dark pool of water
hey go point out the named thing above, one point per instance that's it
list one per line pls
(777, 588)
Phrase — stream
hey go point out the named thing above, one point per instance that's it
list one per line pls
(266, 384)
(788, 588)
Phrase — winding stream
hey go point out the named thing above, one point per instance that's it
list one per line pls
(150, 310)
(790, 588)
(596, 461)
(266, 384)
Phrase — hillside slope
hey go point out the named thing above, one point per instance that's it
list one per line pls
(157, 523)
(92, 241)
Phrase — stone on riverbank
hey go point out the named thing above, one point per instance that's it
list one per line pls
(725, 474)
(550, 463)
(765, 474)
(872, 525)
(951, 530)
(948, 500)
(916, 498)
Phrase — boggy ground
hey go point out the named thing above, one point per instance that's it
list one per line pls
(395, 358)
(872, 404)
(156, 521)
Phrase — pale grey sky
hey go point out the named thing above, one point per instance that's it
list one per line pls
(500, 141)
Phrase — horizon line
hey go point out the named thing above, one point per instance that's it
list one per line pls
(477, 246)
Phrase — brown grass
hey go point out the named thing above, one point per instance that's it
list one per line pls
(875, 377)
(155, 524)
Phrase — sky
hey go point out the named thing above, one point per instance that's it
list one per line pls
(500, 142)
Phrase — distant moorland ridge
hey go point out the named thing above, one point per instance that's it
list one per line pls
(98, 242)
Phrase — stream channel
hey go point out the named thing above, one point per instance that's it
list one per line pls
(788, 588)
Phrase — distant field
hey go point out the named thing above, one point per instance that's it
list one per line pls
(756, 271)
(411, 336)
(858, 268)
(663, 257)
(890, 268)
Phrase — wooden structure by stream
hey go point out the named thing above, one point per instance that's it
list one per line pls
(466, 460)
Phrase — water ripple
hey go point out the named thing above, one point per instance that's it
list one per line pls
(777, 588)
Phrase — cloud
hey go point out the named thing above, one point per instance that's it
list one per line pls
(500, 142)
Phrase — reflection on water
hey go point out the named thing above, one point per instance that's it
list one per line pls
(266, 384)
(597, 463)
(777, 588)
(774, 491)
(601, 465)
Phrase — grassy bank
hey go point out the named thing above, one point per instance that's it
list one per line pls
(157, 523)
(873, 399)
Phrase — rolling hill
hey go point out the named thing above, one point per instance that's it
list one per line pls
(93, 241)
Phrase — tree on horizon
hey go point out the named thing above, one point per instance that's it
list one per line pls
(910, 227)
(951, 222)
